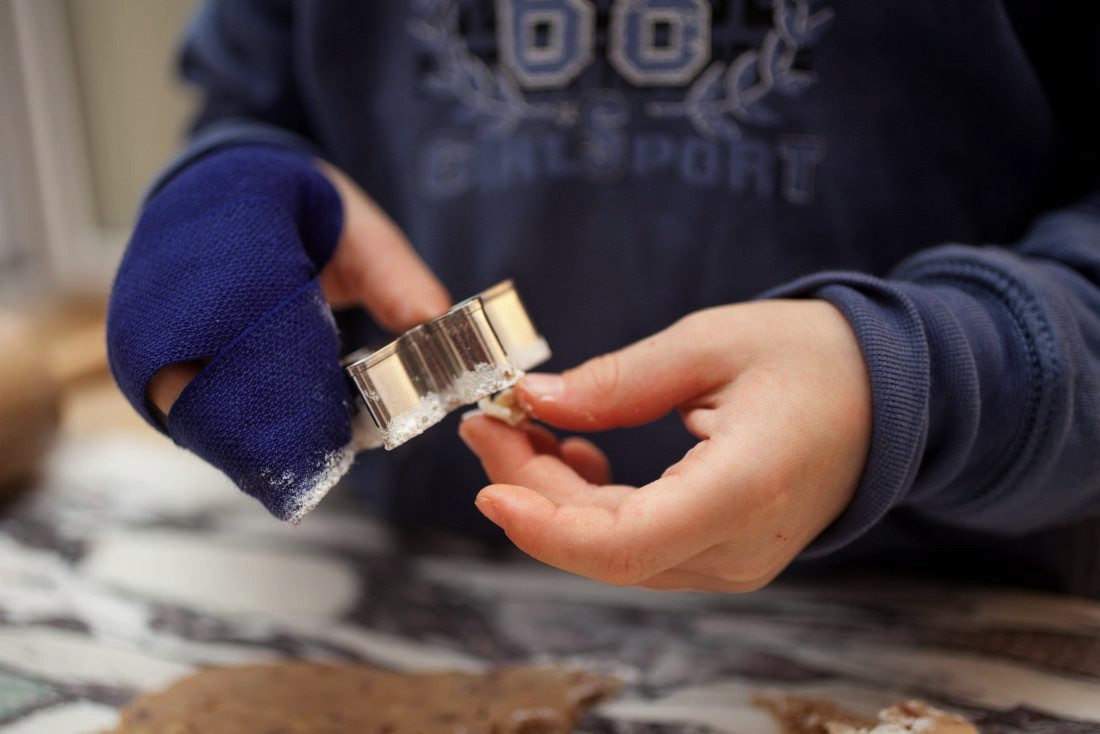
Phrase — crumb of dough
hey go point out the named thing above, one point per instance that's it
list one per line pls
(504, 407)
(797, 715)
(916, 717)
(819, 716)
(351, 699)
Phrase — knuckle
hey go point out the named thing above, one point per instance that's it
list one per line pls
(391, 307)
(604, 374)
(387, 301)
(691, 322)
(732, 565)
(755, 584)
(533, 472)
(532, 543)
(623, 568)
(760, 570)
(695, 333)
(532, 538)
(747, 571)
(697, 323)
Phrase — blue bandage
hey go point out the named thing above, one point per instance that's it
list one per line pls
(222, 268)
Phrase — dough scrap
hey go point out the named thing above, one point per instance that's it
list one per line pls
(504, 407)
(820, 716)
(312, 698)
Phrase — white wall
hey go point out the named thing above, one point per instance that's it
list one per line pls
(90, 110)
(134, 110)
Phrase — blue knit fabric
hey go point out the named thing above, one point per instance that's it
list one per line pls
(222, 268)
(984, 385)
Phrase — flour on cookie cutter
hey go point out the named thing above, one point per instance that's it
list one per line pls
(481, 346)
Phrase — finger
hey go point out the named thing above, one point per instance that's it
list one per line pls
(510, 456)
(375, 266)
(645, 532)
(167, 383)
(635, 385)
(541, 439)
(743, 567)
(587, 460)
(513, 456)
(579, 454)
(676, 580)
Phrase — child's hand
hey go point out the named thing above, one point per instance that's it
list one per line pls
(778, 395)
(220, 329)
(373, 266)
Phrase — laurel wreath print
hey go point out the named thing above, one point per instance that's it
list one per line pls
(491, 97)
(725, 95)
(717, 103)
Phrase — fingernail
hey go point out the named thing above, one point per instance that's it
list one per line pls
(543, 386)
(488, 508)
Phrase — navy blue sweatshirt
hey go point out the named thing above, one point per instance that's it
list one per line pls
(928, 167)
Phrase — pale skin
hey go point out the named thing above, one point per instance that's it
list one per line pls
(776, 392)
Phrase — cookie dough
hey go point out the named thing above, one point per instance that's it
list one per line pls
(504, 407)
(797, 715)
(309, 698)
(914, 717)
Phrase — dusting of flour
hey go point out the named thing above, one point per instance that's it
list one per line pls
(333, 468)
(472, 385)
(430, 410)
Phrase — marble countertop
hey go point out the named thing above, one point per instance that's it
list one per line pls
(132, 563)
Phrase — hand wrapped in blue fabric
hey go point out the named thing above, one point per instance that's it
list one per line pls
(220, 330)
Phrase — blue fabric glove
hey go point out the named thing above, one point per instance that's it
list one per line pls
(223, 268)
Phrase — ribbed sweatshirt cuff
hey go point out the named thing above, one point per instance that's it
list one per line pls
(895, 349)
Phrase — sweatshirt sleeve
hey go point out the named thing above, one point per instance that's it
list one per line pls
(240, 56)
(985, 373)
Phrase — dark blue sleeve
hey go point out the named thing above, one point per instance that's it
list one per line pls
(985, 372)
(240, 55)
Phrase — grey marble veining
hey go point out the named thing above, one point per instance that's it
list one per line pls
(133, 563)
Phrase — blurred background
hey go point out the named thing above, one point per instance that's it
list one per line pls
(90, 110)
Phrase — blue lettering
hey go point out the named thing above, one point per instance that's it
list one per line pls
(660, 42)
(652, 153)
(699, 162)
(800, 156)
(556, 154)
(546, 44)
(752, 167)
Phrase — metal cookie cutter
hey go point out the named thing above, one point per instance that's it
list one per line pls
(481, 346)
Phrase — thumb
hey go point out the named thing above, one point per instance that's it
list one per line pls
(375, 266)
(635, 385)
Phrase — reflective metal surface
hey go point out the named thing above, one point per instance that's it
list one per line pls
(478, 348)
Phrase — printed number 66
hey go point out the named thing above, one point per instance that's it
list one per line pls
(546, 44)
